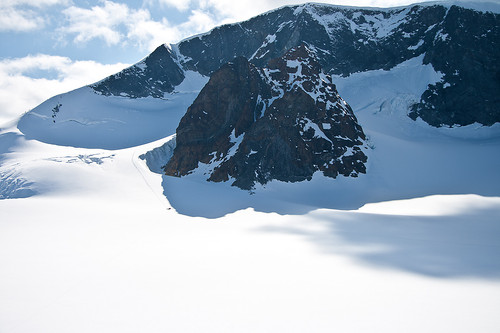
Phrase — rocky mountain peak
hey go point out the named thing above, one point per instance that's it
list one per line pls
(285, 122)
(154, 76)
(462, 44)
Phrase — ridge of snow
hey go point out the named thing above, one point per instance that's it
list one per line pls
(90, 120)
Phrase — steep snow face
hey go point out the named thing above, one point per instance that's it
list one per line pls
(157, 158)
(388, 93)
(84, 118)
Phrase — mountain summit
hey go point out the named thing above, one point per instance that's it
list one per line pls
(285, 122)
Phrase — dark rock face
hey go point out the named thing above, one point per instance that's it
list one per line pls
(466, 50)
(284, 122)
(156, 75)
(226, 104)
(462, 44)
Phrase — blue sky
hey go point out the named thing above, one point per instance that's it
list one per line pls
(49, 47)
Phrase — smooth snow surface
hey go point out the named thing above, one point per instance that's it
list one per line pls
(96, 242)
(100, 250)
(89, 120)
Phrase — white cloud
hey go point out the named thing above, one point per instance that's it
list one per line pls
(97, 22)
(33, 3)
(181, 5)
(145, 32)
(20, 91)
(12, 19)
(18, 15)
(117, 24)
(199, 21)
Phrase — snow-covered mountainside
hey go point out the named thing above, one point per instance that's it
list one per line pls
(447, 55)
(460, 44)
(90, 119)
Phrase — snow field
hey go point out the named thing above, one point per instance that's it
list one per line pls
(105, 245)
(83, 118)
(100, 250)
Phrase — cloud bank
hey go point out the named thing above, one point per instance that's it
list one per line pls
(118, 24)
(24, 15)
(22, 88)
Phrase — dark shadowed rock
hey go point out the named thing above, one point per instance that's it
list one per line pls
(286, 121)
(156, 75)
(466, 49)
(227, 104)
(462, 44)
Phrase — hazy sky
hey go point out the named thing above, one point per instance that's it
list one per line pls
(52, 46)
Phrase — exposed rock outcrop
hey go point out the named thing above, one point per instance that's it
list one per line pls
(154, 76)
(462, 44)
(252, 125)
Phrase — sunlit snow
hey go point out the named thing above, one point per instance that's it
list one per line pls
(94, 241)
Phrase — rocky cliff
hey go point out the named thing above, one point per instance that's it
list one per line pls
(462, 44)
(284, 121)
(154, 76)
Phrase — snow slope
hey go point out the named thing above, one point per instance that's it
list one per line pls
(95, 242)
(100, 249)
(83, 118)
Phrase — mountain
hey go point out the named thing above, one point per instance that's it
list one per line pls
(154, 76)
(460, 43)
(284, 122)
(136, 106)
(432, 62)
(92, 241)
